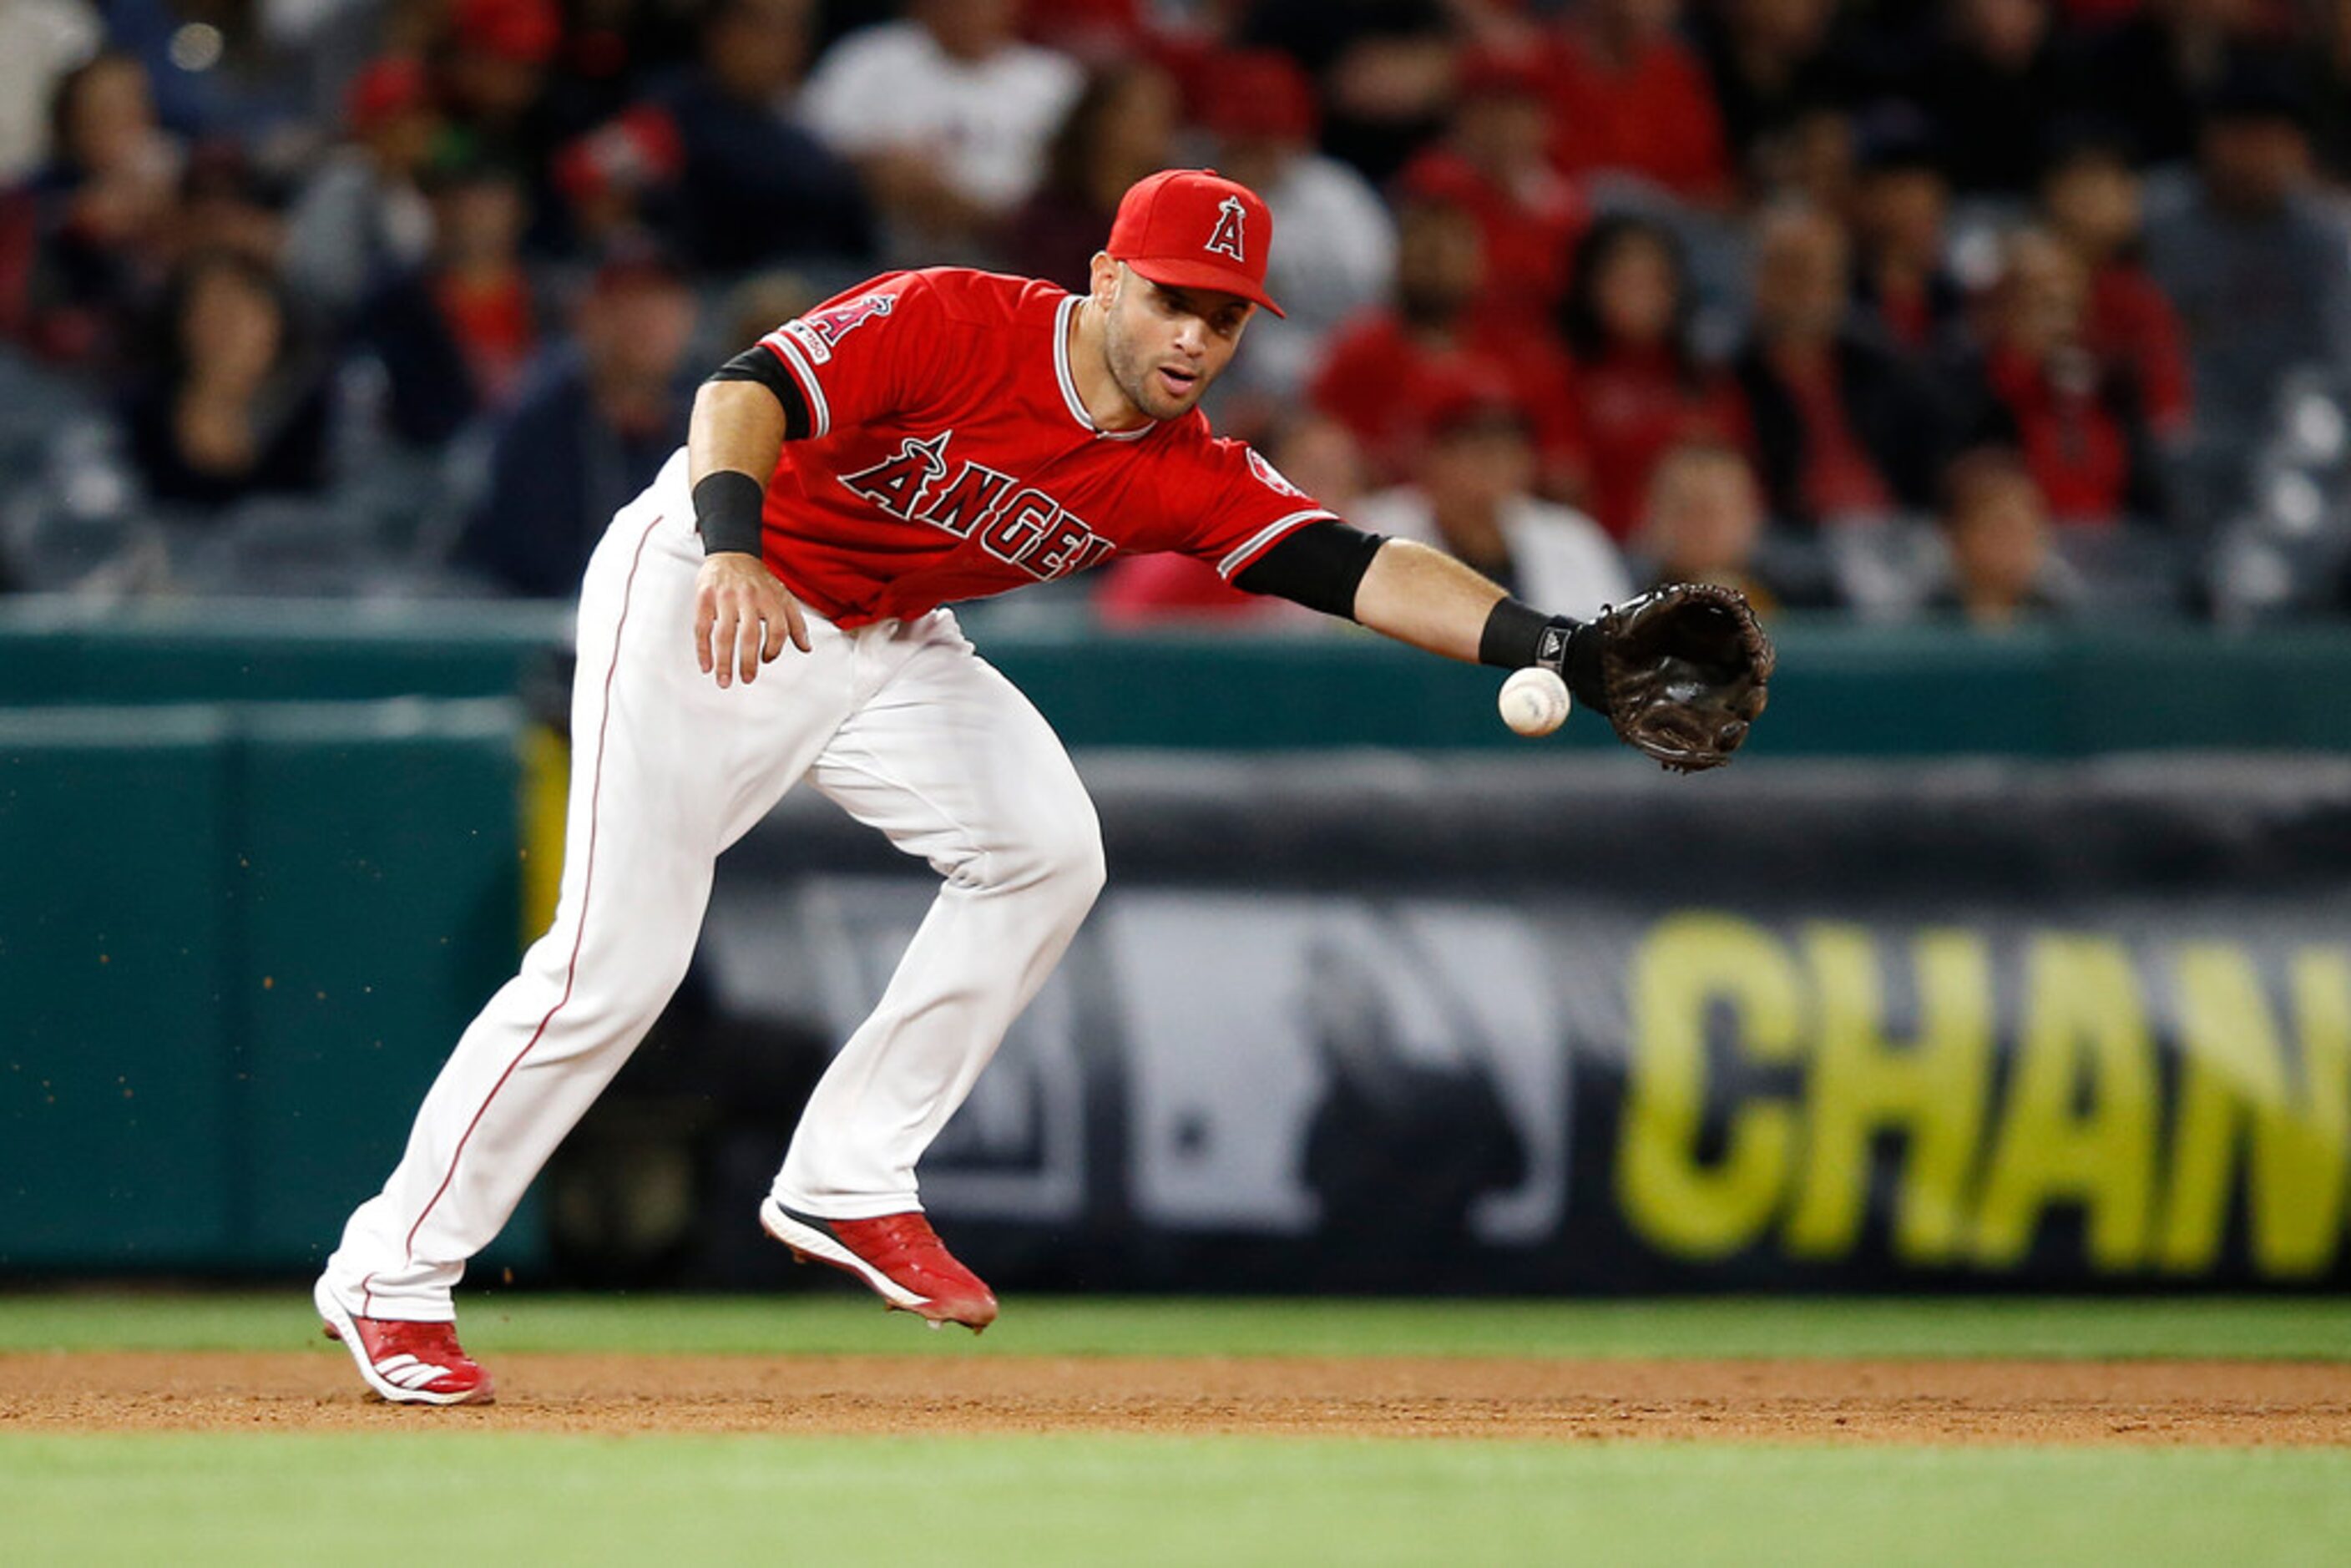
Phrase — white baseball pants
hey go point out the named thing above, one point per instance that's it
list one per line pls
(904, 727)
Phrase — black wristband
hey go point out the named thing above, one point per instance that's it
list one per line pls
(1516, 634)
(726, 506)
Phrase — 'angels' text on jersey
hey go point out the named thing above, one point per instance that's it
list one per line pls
(948, 455)
(1018, 524)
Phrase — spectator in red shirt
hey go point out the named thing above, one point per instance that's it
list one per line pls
(1627, 96)
(1471, 497)
(1494, 163)
(1847, 430)
(2038, 386)
(1640, 386)
(1384, 370)
(2091, 194)
(456, 334)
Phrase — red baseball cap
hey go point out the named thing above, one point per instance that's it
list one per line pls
(527, 32)
(387, 87)
(1193, 228)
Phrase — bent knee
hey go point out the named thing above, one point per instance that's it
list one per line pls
(1061, 849)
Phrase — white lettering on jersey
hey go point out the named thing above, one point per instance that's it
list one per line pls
(1019, 525)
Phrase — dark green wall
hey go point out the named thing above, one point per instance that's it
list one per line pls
(235, 944)
(1843, 690)
(258, 862)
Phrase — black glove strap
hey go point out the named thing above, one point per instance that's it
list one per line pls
(726, 506)
(1517, 634)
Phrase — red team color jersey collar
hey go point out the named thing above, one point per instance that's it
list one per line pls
(950, 456)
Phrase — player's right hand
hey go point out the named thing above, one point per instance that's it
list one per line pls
(742, 616)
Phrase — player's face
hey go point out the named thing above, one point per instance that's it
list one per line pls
(1165, 346)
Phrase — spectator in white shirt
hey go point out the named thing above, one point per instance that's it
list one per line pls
(1473, 498)
(1334, 242)
(946, 114)
(40, 41)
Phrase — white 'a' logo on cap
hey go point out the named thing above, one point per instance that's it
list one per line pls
(1228, 236)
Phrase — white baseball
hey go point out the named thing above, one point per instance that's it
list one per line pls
(1534, 701)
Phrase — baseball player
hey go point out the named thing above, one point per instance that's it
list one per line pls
(930, 436)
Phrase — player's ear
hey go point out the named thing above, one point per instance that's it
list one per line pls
(1102, 279)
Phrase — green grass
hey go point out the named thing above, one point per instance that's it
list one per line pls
(2304, 1328)
(452, 1499)
(442, 1494)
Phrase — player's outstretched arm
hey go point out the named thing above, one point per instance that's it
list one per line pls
(1426, 598)
(742, 615)
(1680, 672)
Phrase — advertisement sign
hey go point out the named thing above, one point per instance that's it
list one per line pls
(1958, 1026)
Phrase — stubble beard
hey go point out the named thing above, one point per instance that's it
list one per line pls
(1135, 379)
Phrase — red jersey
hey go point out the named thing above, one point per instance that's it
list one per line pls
(951, 457)
(1531, 231)
(2132, 325)
(2078, 451)
(1634, 405)
(1383, 383)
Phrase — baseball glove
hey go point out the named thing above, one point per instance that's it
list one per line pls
(1680, 671)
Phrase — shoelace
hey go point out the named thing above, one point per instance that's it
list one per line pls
(909, 1244)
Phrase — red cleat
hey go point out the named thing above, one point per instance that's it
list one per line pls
(408, 1363)
(898, 1254)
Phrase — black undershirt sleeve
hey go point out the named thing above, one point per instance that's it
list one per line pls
(757, 365)
(1320, 565)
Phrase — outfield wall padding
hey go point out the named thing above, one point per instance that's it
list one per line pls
(1843, 690)
(235, 943)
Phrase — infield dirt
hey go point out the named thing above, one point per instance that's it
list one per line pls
(2251, 1404)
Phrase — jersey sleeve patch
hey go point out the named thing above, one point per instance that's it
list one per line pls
(821, 331)
(784, 344)
(1272, 478)
(849, 370)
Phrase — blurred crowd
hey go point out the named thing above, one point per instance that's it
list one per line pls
(1991, 309)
